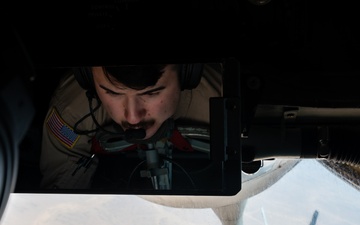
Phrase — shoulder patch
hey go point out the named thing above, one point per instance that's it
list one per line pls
(61, 130)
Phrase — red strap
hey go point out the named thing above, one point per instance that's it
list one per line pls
(180, 142)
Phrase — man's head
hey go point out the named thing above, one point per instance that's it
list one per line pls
(138, 96)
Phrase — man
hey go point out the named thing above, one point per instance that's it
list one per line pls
(137, 99)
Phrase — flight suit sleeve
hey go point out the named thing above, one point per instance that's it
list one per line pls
(66, 160)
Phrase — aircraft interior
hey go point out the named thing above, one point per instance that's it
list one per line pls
(290, 88)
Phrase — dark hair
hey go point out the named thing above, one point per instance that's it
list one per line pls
(135, 77)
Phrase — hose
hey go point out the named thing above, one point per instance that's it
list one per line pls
(344, 145)
(335, 143)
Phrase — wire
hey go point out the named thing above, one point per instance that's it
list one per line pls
(182, 168)
(84, 117)
(92, 114)
(134, 170)
(166, 159)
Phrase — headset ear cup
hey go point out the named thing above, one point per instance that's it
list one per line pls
(190, 75)
(84, 77)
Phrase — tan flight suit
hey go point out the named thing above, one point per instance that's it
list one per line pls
(62, 147)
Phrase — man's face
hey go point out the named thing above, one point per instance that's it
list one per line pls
(147, 108)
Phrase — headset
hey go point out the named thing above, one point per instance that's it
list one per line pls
(189, 74)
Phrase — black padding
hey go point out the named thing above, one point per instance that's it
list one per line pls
(84, 77)
(190, 75)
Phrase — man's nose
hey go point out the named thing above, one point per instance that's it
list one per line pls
(134, 110)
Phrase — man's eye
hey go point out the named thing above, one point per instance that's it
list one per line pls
(111, 92)
(153, 93)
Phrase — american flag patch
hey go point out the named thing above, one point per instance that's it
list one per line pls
(62, 131)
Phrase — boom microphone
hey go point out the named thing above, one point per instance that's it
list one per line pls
(134, 134)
